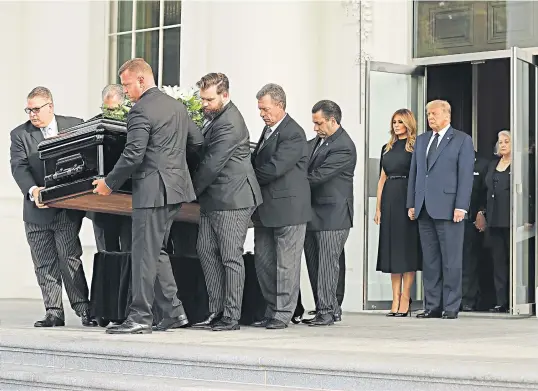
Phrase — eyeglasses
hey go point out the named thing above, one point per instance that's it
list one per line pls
(35, 110)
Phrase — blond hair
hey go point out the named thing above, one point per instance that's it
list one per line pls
(440, 103)
(410, 124)
(136, 65)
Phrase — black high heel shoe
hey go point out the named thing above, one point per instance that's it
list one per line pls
(404, 314)
(394, 313)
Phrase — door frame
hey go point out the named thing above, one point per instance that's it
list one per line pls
(516, 55)
(391, 68)
(418, 66)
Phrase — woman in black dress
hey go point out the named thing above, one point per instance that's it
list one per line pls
(498, 218)
(399, 248)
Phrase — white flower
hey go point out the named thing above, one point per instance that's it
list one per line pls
(178, 92)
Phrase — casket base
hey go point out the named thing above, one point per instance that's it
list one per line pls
(67, 190)
(116, 203)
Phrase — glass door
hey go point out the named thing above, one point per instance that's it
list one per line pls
(523, 181)
(389, 87)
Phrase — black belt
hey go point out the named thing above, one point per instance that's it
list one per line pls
(397, 177)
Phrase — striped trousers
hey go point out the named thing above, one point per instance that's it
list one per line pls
(221, 238)
(322, 251)
(277, 256)
(56, 252)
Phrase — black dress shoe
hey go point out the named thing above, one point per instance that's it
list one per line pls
(261, 323)
(49, 321)
(225, 324)
(450, 315)
(129, 327)
(322, 320)
(337, 317)
(296, 319)
(312, 312)
(429, 314)
(310, 320)
(275, 324)
(211, 319)
(467, 308)
(499, 309)
(86, 319)
(171, 323)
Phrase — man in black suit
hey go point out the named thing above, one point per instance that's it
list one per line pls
(280, 162)
(112, 232)
(228, 193)
(51, 233)
(159, 132)
(330, 173)
(474, 237)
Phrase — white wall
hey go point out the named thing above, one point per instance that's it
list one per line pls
(59, 45)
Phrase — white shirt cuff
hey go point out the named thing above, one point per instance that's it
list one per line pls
(31, 193)
(462, 210)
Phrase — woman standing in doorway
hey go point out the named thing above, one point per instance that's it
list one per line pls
(399, 250)
(498, 217)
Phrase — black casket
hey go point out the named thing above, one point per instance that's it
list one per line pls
(83, 153)
(79, 155)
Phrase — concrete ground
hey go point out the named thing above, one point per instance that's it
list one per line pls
(501, 349)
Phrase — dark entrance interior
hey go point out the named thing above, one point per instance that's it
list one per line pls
(482, 116)
(489, 109)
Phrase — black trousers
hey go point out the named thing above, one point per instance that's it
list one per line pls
(473, 246)
(152, 276)
(500, 253)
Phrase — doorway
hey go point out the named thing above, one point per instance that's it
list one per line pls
(487, 95)
(479, 95)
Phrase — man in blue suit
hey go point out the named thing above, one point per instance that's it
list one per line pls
(439, 195)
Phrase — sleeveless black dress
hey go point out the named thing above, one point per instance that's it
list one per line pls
(399, 245)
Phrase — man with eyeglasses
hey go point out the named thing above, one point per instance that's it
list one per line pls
(52, 234)
(112, 232)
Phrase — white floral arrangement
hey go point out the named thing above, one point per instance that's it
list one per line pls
(190, 98)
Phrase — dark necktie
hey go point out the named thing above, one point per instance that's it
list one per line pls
(431, 151)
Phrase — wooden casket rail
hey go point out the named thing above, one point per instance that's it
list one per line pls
(118, 203)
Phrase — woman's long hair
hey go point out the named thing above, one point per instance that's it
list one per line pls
(410, 124)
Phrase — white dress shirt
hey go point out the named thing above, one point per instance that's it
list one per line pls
(48, 131)
(273, 128)
(441, 135)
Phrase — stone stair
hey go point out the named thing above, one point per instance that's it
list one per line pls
(73, 360)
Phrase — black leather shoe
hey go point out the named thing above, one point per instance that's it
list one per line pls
(275, 324)
(450, 315)
(86, 319)
(296, 319)
(322, 320)
(308, 321)
(312, 312)
(49, 321)
(129, 327)
(467, 308)
(261, 323)
(212, 318)
(171, 323)
(225, 324)
(499, 309)
(337, 317)
(429, 314)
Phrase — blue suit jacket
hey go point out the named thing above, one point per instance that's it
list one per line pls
(448, 183)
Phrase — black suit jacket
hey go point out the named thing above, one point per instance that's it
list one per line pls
(280, 165)
(330, 174)
(479, 193)
(224, 179)
(160, 133)
(498, 197)
(28, 170)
